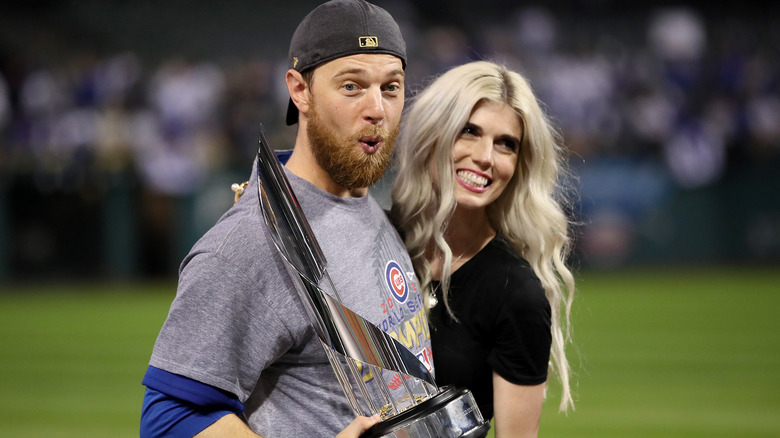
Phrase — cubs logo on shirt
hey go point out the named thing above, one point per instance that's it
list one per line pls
(396, 280)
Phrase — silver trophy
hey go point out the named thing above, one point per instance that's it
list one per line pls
(402, 391)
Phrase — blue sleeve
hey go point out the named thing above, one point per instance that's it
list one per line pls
(176, 406)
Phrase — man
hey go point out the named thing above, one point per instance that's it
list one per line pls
(237, 355)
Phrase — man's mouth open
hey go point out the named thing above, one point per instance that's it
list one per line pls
(370, 144)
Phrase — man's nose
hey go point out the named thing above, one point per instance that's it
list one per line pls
(374, 105)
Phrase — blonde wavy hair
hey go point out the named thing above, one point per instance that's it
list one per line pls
(529, 214)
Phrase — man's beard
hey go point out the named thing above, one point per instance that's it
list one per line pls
(343, 159)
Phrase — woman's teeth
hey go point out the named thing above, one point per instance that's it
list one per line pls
(472, 178)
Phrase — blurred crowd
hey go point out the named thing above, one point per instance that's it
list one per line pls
(674, 89)
(71, 124)
(677, 98)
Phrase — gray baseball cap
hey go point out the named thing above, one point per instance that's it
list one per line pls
(341, 28)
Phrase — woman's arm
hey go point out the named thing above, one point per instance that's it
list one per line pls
(517, 408)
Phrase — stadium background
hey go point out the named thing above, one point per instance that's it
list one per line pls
(123, 125)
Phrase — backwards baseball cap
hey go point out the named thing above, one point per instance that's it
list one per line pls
(341, 28)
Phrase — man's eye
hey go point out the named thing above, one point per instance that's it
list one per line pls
(468, 130)
(393, 88)
(350, 87)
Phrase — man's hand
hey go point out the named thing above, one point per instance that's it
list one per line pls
(358, 426)
(229, 425)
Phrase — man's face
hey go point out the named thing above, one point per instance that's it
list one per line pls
(354, 116)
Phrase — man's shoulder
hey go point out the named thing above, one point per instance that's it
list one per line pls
(240, 235)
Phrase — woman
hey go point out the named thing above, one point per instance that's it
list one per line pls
(477, 200)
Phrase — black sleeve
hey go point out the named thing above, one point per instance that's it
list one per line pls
(522, 331)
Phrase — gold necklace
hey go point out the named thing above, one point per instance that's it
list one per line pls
(475, 247)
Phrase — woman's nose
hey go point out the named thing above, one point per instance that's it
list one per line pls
(482, 153)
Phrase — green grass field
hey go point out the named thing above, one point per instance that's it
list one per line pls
(687, 353)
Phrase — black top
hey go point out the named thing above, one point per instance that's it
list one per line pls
(504, 325)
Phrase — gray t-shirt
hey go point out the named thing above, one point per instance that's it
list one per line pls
(238, 324)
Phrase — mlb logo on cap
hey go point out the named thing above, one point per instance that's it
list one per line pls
(369, 41)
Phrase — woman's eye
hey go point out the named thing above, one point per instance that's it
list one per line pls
(508, 145)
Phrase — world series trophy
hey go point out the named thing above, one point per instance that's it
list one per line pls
(402, 392)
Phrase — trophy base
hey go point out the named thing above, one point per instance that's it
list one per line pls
(452, 413)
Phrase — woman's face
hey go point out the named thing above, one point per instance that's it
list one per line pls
(485, 154)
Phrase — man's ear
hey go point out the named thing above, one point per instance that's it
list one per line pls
(298, 90)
